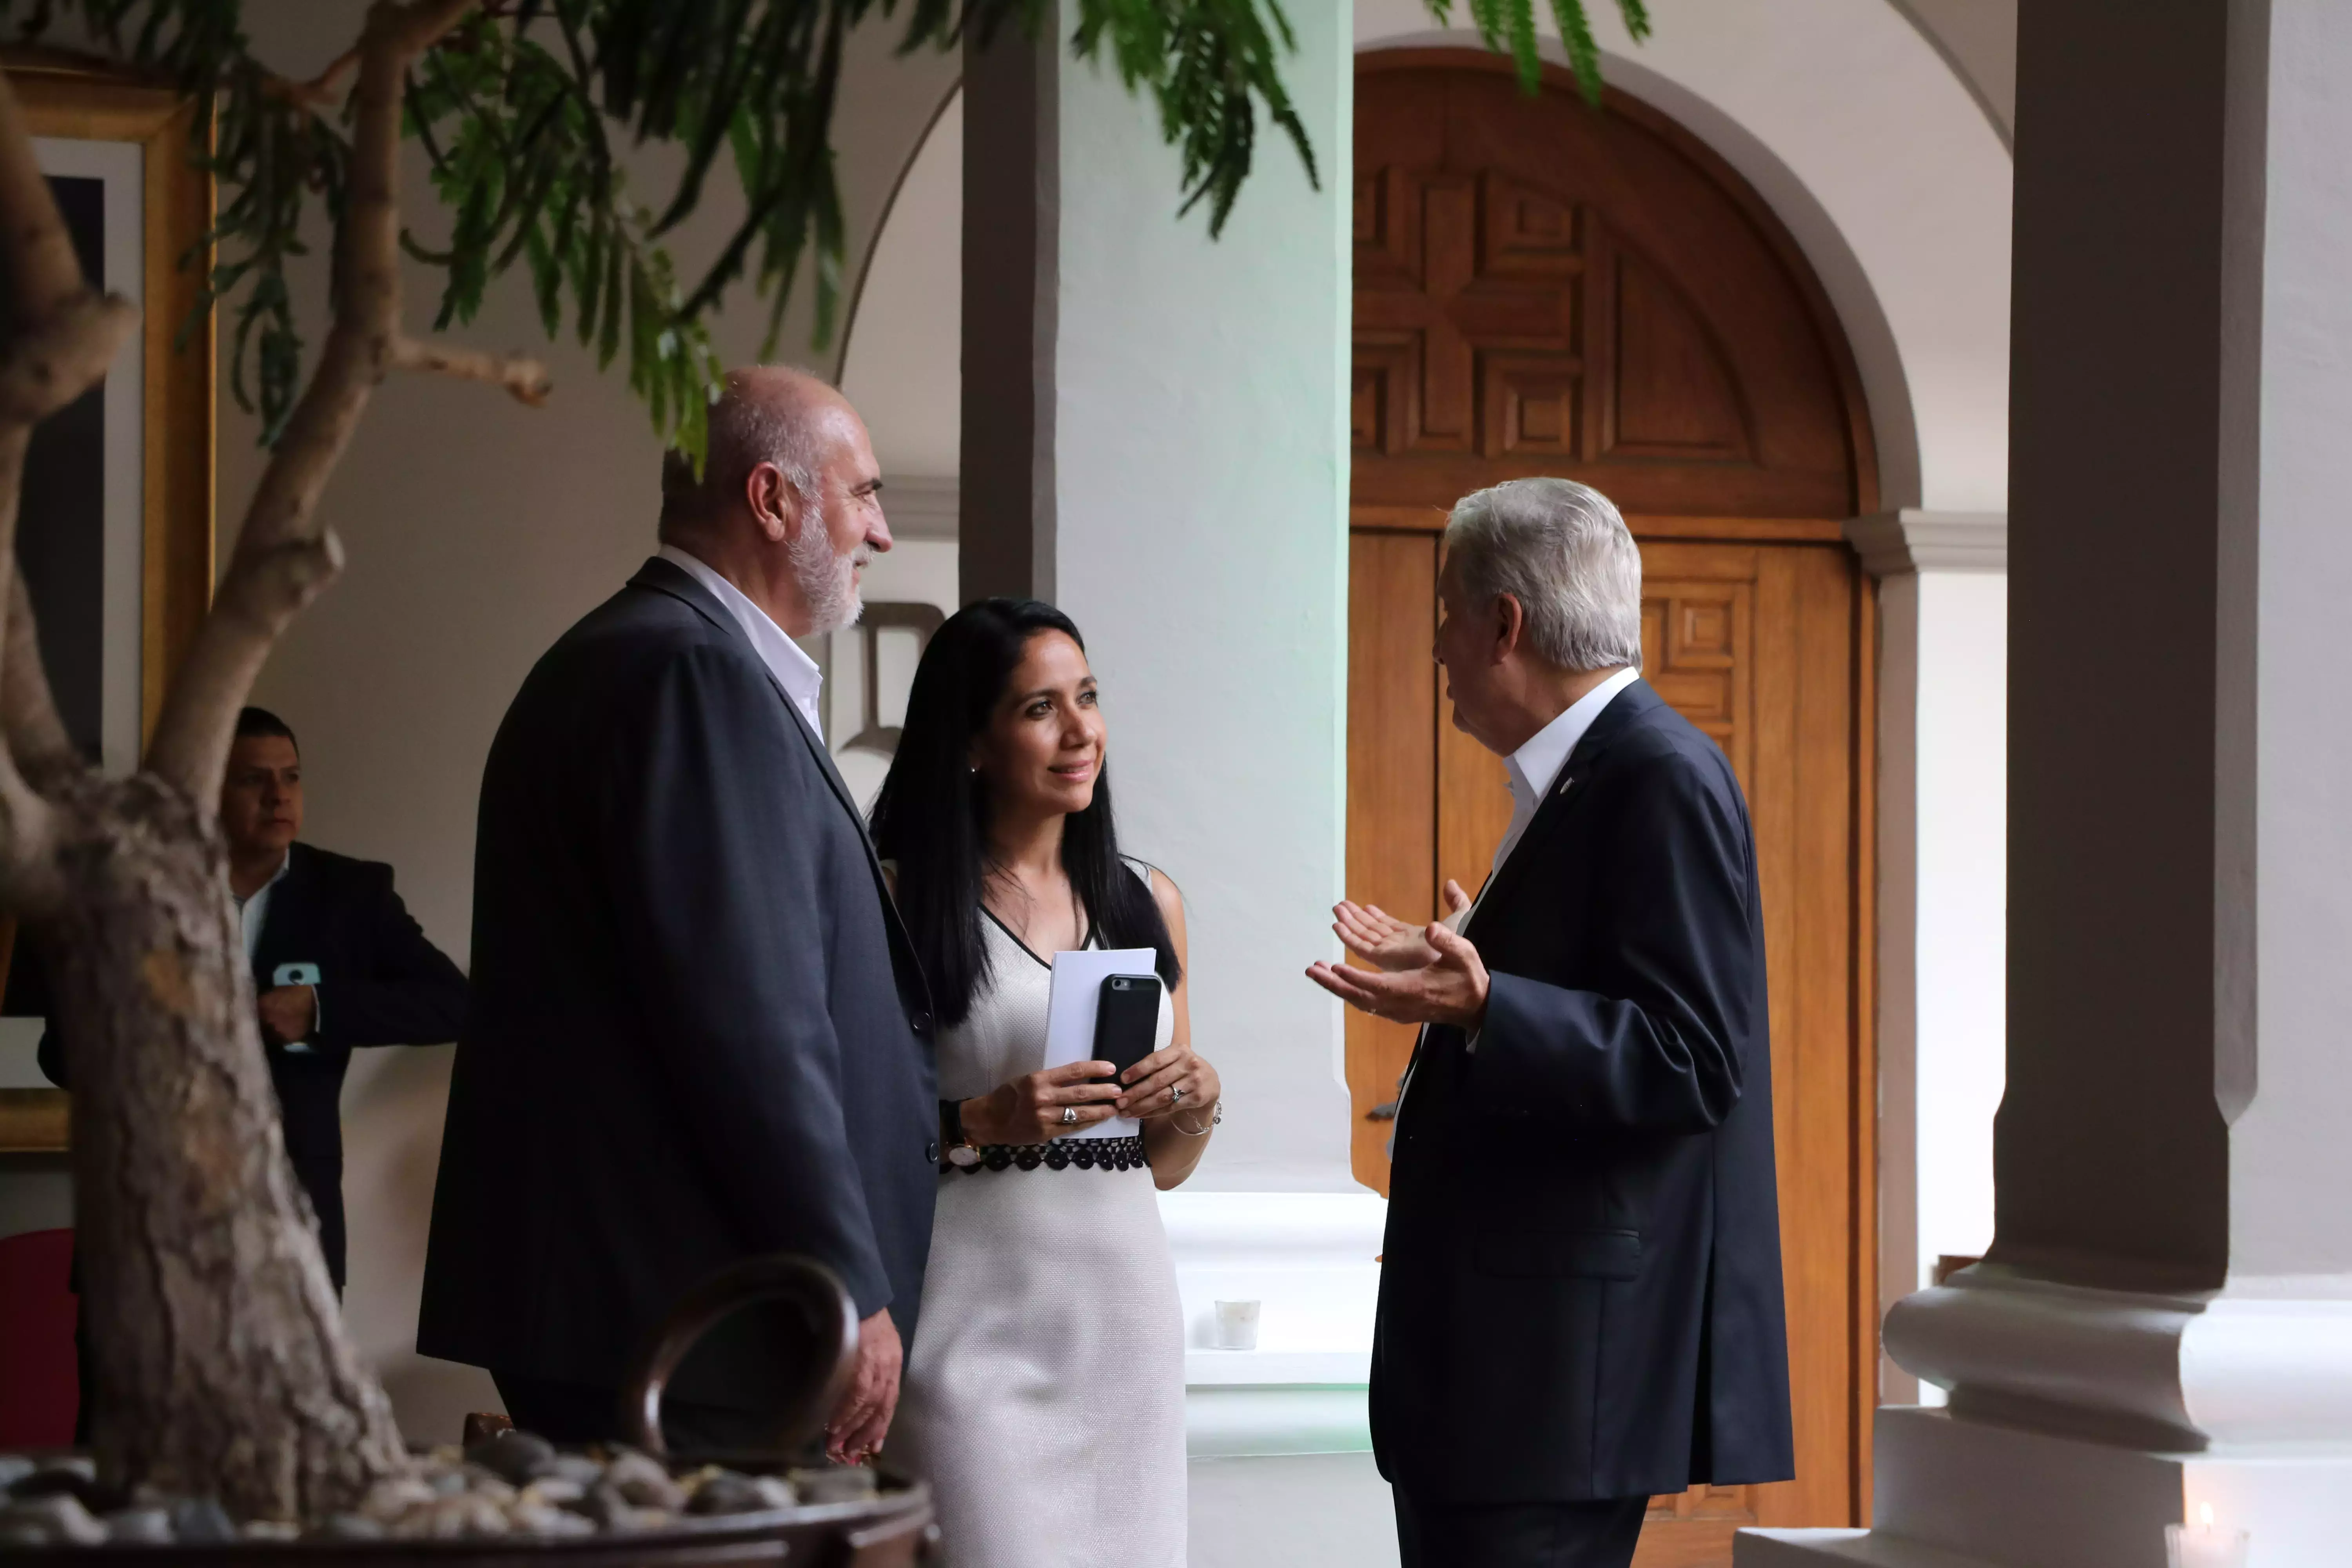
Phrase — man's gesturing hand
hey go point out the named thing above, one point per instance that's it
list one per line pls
(1450, 988)
(1384, 941)
(855, 1431)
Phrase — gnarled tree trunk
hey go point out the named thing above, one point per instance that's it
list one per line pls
(222, 1366)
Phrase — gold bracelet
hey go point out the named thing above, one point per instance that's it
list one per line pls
(1216, 1119)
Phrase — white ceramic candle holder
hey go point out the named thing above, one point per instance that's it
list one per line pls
(1237, 1325)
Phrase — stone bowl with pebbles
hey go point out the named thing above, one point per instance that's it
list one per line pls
(514, 1498)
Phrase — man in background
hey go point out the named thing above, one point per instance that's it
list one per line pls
(338, 963)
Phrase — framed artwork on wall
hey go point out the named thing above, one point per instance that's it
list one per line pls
(116, 529)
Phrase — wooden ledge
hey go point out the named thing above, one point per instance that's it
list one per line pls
(33, 1121)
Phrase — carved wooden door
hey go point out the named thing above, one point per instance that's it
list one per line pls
(1544, 289)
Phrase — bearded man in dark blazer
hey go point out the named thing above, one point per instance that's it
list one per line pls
(698, 1033)
(1580, 1298)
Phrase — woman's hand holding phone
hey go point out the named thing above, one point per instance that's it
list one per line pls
(1146, 1088)
(1029, 1108)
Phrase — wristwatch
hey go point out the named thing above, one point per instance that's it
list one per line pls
(961, 1153)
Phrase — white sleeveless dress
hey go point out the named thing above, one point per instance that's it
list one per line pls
(1043, 1395)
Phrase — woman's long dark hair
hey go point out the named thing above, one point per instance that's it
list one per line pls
(931, 816)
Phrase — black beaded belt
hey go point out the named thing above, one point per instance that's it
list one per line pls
(1085, 1153)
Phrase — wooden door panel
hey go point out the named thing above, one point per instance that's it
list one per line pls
(1474, 806)
(1823, 1094)
(1545, 289)
(1392, 718)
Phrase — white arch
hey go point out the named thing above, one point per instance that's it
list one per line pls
(902, 337)
(1888, 175)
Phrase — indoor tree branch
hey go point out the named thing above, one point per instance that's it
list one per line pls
(523, 377)
(64, 335)
(285, 556)
(36, 253)
(321, 92)
(36, 735)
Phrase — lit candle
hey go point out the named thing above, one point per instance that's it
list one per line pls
(2204, 1546)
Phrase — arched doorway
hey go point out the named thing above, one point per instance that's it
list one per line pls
(1545, 288)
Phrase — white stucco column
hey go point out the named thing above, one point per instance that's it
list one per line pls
(1156, 438)
(2164, 1324)
(1180, 489)
(1200, 492)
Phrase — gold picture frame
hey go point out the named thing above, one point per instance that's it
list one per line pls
(69, 98)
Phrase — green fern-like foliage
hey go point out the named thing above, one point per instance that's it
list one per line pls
(526, 109)
(1510, 27)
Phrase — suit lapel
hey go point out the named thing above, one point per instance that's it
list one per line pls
(666, 577)
(1628, 705)
(1565, 791)
(285, 917)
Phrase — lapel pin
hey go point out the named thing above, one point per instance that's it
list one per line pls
(1564, 785)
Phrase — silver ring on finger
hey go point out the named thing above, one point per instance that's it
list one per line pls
(1176, 1095)
(1069, 1116)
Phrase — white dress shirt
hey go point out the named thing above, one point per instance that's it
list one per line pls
(794, 670)
(251, 915)
(253, 912)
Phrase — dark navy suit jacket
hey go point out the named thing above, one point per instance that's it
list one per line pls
(1580, 1297)
(381, 982)
(697, 1034)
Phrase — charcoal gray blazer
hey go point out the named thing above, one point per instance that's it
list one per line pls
(1580, 1295)
(697, 1031)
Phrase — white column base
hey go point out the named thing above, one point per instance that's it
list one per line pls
(2083, 1421)
(1954, 1494)
(1851, 1547)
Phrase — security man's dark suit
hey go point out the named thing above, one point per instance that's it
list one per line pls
(1581, 1296)
(699, 1031)
(381, 981)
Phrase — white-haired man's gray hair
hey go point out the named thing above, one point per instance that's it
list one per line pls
(1562, 551)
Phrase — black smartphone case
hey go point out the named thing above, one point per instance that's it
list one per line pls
(1127, 1020)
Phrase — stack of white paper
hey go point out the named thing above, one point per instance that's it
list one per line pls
(1078, 976)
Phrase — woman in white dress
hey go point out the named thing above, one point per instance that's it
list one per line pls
(1044, 1397)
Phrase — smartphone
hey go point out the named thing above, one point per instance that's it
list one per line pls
(1127, 1020)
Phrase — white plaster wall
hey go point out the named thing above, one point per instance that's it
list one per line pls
(1201, 475)
(2284, 770)
(1962, 904)
(1979, 39)
(1291, 1511)
(1943, 916)
(1878, 159)
(901, 362)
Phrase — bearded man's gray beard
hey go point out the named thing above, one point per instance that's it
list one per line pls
(827, 580)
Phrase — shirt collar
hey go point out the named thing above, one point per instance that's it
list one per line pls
(1534, 765)
(794, 670)
(275, 877)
